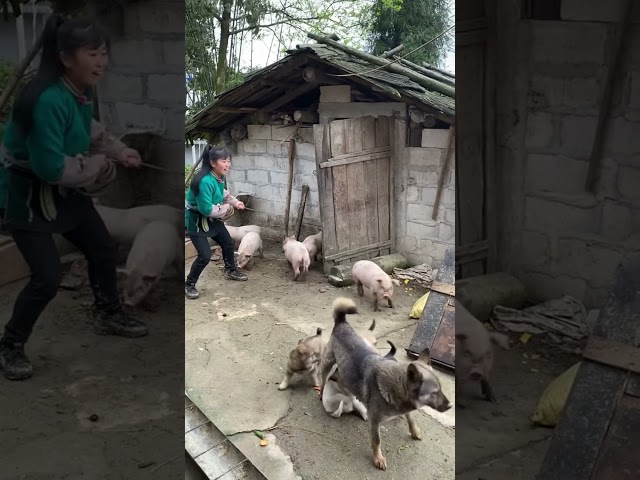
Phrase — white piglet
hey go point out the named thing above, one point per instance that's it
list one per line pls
(156, 249)
(123, 224)
(474, 350)
(297, 256)
(313, 244)
(365, 273)
(238, 233)
(249, 244)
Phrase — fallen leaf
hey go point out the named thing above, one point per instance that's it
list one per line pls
(263, 442)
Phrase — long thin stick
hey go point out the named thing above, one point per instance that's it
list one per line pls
(443, 170)
(303, 202)
(292, 150)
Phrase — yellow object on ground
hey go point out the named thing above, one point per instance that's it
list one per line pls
(418, 307)
(552, 400)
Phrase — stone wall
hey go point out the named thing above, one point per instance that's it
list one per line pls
(555, 236)
(144, 91)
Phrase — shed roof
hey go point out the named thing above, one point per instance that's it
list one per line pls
(263, 87)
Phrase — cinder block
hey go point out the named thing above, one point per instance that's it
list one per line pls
(446, 232)
(173, 53)
(281, 133)
(564, 94)
(566, 43)
(450, 216)
(175, 124)
(433, 249)
(595, 263)
(629, 182)
(140, 54)
(413, 194)
(272, 164)
(253, 146)
(143, 117)
(307, 150)
(424, 178)
(242, 187)
(448, 197)
(165, 17)
(259, 132)
(166, 88)
(568, 174)
(617, 221)
(122, 88)
(241, 162)
(423, 157)
(257, 176)
(335, 94)
(278, 178)
(536, 248)
(428, 195)
(410, 244)
(307, 134)
(541, 286)
(277, 148)
(236, 175)
(594, 11)
(622, 137)
(435, 138)
(539, 130)
(554, 217)
(576, 134)
(420, 231)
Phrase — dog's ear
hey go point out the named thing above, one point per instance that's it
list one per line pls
(425, 356)
(384, 391)
(395, 281)
(413, 374)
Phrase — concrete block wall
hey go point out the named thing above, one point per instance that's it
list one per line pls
(144, 91)
(419, 237)
(260, 168)
(556, 237)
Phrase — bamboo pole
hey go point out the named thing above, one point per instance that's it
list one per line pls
(292, 150)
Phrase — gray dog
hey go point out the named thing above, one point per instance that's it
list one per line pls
(387, 388)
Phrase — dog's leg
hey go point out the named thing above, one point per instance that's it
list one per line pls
(390, 303)
(360, 408)
(413, 427)
(327, 363)
(285, 382)
(315, 377)
(374, 430)
(338, 411)
(487, 391)
(360, 289)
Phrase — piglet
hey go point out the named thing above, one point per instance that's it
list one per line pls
(250, 243)
(123, 224)
(238, 233)
(368, 274)
(156, 248)
(297, 256)
(313, 244)
(474, 350)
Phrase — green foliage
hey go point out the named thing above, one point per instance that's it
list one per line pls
(6, 72)
(412, 23)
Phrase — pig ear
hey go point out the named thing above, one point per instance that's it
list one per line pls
(396, 282)
(425, 356)
(379, 280)
(248, 255)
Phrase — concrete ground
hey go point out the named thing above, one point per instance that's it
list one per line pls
(237, 340)
(97, 407)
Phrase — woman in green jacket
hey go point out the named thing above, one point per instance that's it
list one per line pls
(53, 149)
(208, 204)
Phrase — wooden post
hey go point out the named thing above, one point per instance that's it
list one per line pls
(292, 152)
(303, 202)
(443, 170)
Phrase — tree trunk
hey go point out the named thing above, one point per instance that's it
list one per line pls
(225, 30)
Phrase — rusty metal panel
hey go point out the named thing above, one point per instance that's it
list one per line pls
(436, 327)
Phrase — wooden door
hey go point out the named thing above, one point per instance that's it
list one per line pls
(355, 179)
(475, 172)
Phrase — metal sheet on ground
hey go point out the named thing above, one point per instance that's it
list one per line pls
(436, 327)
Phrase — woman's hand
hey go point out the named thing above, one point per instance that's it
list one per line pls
(240, 205)
(130, 158)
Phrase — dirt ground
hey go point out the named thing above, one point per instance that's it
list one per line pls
(238, 336)
(97, 407)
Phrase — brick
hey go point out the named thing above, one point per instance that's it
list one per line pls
(282, 133)
(175, 124)
(306, 134)
(411, 244)
(576, 134)
(257, 176)
(277, 148)
(416, 211)
(448, 197)
(446, 232)
(166, 88)
(253, 146)
(267, 192)
(242, 187)
(546, 287)
(629, 182)
(617, 221)
(167, 18)
(554, 217)
(436, 250)
(564, 93)
(435, 138)
(539, 130)
(420, 231)
(306, 167)
(536, 248)
(135, 53)
(555, 173)
(173, 53)
(622, 137)
(306, 150)
(335, 94)
(310, 180)
(278, 178)
(143, 117)
(596, 264)
(122, 87)
(450, 216)
(423, 178)
(594, 11)
(423, 157)
(428, 195)
(272, 164)
(237, 175)
(564, 43)
(259, 132)
(413, 194)
(241, 162)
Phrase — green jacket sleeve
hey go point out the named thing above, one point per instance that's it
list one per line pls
(45, 142)
(204, 200)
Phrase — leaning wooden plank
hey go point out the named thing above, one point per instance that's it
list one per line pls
(321, 135)
(370, 193)
(355, 188)
(340, 190)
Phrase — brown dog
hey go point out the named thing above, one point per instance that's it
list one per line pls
(305, 358)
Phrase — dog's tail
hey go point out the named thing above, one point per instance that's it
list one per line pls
(319, 331)
(341, 307)
(373, 325)
(392, 352)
